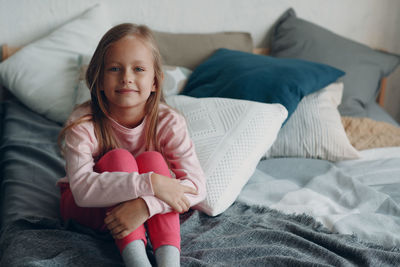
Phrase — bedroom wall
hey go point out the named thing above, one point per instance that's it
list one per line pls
(372, 22)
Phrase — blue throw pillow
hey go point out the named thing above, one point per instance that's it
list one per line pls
(235, 74)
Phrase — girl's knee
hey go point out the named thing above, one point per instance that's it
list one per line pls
(118, 153)
(116, 160)
(153, 161)
(151, 155)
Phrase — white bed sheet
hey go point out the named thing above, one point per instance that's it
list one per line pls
(360, 197)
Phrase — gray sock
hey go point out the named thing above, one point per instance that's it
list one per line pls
(134, 254)
(168, 256)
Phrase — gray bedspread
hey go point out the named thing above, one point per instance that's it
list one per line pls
(242, 236)
(32, 233)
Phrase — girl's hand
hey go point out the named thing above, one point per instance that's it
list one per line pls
(171, 192)
(126, 217)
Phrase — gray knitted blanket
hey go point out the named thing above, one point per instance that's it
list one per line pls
(241, 236)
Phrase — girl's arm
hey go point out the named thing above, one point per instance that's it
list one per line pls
(179, 151)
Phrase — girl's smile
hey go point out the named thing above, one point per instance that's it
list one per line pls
(126, 91)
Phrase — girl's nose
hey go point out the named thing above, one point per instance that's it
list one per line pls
(127, 78)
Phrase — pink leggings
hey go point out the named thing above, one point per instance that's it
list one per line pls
(163, 229)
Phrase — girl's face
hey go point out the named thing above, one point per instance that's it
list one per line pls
(128, 75)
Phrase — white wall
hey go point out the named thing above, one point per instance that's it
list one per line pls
(372, 22)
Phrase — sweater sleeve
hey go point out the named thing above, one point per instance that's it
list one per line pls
(179, 151)
(91, 189)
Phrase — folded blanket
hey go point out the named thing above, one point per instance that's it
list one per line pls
(241, 236)
(365, 133)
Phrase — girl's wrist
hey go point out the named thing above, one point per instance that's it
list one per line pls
(154, 182)
(144, 207)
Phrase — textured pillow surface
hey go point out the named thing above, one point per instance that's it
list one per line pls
(315, 129)
(230, 137)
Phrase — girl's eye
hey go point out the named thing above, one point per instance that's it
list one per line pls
(114, 69)
(139, 69)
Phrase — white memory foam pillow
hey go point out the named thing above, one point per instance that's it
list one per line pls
(44, 74)
(230, 137)
(315, 129)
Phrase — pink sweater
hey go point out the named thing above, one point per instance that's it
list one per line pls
(91, 189)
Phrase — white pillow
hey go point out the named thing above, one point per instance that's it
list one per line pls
(230, 137)
(315, 129)
(175, 78)
(44, 74)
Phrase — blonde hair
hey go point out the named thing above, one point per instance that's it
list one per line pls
(98, 101)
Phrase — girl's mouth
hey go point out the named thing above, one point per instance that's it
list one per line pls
(125, 91)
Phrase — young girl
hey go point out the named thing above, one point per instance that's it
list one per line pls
(119, 149)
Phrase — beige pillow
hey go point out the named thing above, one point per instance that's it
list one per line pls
(365, 133)
(189, 50)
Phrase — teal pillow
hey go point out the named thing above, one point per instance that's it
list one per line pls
(235, 74)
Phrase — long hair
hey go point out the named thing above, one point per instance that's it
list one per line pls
(98, 101)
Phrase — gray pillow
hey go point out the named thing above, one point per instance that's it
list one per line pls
(293, 37)
(190, 49)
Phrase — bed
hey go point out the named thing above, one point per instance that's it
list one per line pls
(315, 181)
